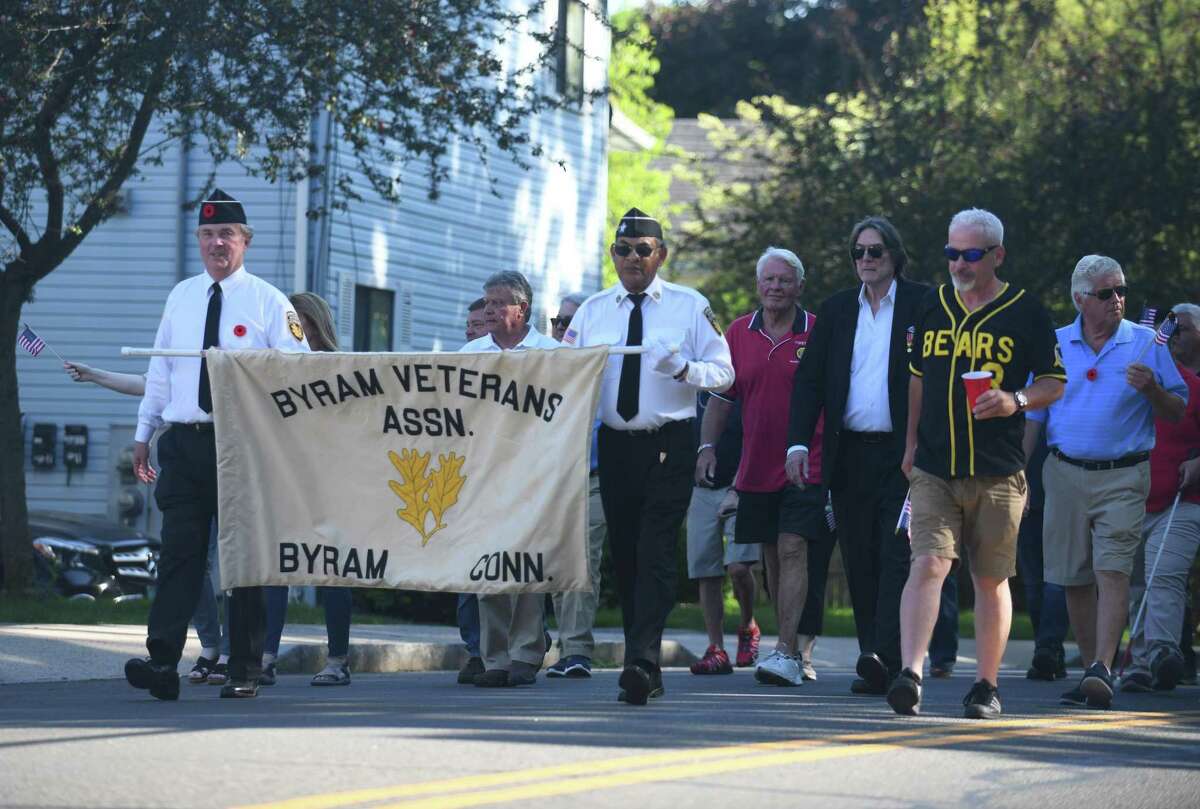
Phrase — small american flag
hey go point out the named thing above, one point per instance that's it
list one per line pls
(1166, 330)
(30, 341)
(1149, 315)
(905, 520)
(830, 522)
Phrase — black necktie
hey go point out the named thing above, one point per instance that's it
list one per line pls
(631, 364)
(212, 337)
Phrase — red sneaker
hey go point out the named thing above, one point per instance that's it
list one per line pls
(747, 653)
(715, 661)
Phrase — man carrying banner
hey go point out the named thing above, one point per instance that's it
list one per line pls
(963, 454)
(512, 641)
(647, 445)
(224, 307)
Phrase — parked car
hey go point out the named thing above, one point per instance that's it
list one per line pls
(87, 557)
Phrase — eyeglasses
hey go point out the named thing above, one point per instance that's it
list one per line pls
(560, 322)
(874, 251)
(644, 250)
(970, 255)
(1107, 293)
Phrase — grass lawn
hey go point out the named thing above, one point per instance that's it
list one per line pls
(839, 621)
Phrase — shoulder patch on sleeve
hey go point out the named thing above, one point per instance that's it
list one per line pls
(293, 321)
(712, 320)
(570, 337)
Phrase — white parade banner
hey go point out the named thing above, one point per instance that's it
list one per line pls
(422, 471)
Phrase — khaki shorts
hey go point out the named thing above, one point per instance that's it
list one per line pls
(710, 545)
(1093, 520)
(980, 514)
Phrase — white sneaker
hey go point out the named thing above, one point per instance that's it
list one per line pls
(778, 669)
(807, 670)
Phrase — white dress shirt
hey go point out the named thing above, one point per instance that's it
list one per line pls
(867, 406)
(254, 314)
(671, 313)
(534, 339)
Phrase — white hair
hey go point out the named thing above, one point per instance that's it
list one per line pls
(786, 256)
(985, 222)
(1087, 271)
(1190, 310)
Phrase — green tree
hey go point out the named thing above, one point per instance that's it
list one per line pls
(1075, 121)
(631, 75)
(83, 83)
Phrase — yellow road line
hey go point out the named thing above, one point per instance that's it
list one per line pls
(675, 765)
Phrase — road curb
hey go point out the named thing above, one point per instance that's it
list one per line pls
(366, 658)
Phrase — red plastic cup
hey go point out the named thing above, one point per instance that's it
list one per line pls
(976, 382)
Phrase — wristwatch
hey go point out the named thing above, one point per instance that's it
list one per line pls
(1021, 399)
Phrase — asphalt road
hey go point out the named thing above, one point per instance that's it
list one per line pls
(420, 740)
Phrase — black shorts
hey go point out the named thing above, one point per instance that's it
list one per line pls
(763, 516)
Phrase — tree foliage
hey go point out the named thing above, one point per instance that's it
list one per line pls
(85, 85)
(632, 71)
(717, 53)
(1074, 120)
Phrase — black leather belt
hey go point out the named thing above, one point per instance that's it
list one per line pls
(196, 426)
(670, 425)
(868, 438)
(1099, 466)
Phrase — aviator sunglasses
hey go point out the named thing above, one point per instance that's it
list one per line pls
(970, 255)
(1107, 293)
(560, 322)
(644, 250)
(874, 251)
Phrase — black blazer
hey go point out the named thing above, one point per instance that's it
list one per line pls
(823, 378)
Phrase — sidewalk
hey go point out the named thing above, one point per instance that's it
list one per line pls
(58, 652)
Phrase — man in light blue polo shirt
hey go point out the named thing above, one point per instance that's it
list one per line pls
(1097, 476)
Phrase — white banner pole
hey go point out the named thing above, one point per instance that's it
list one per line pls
(128, 351)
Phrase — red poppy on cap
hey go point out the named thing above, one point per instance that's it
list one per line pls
(239, 330)
(209, 211)
(1091, 374)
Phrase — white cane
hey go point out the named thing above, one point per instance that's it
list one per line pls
(1137, 620)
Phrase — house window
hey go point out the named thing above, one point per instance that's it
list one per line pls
(570, 48)
(373, 310)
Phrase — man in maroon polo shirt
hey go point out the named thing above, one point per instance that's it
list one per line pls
(789, 521)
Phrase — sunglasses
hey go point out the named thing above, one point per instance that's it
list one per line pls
(874, 251)
(970, 255)
(1107, 293)
(644, 250)
(560, 322)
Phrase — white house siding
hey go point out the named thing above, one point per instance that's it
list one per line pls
(545, 222)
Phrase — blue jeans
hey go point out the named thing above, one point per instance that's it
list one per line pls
(943, 646)
(1046, 602)
(212, 629)
(338, 602)
(468, 622)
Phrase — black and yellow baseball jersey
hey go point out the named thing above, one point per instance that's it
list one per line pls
(1012, 337)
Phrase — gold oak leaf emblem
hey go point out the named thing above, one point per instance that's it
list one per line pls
(424, 493)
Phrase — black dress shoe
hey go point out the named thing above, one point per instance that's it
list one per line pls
(160, 679)
(268, 675)
(656, 688)
(865, 689)
(871, 669)
(636, 681)
(239, 689)
(905, 694)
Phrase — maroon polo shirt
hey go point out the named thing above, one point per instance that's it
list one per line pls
(764, 370)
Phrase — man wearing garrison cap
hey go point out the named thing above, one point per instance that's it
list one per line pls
(647, 444)
(224, 307)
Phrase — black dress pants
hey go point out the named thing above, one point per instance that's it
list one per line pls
(868, 493)
(186, 494)
(645, 486)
